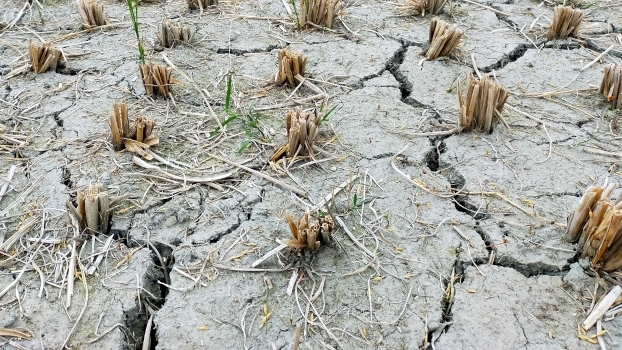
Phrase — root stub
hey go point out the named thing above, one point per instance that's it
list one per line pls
(43, 57)
(308, 235)
(483, 101)
(566, 22)
(611, 85)
(597, 225)
(443, 39)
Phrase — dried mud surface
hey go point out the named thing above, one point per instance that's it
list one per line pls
(463, 233)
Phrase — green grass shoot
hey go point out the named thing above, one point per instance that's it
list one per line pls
(133, 6)
(295, 13)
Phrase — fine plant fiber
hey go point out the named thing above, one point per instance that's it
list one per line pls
(443, 39)
(133, 7)
(483, 101)
(566, 22)
(170, 33)
(201, 4)
(597, 226)
(91, 13)
(420, 7)
(43, 57)
(307, 234)
(135, 137)
(611, 85)
(291, 64)
(318, 12)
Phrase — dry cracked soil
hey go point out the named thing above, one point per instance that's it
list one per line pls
(455, 240)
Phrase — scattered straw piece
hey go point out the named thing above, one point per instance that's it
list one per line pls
(91, 13)
(319, 12)
(443, 39)
(135, 138)
(420, 7)
(170, 33)
(156, 79)
(611, 85)
(483, 98)
(290, 65)
(44, 57)
(566, 22)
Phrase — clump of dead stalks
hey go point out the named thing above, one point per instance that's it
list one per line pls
(566, 22)
(308, 235)
(91, 13)
(597, 226)
(201, 4)
(43, 57)
(302, 129)
(136, 138)
(156, 79)
(93, 211)
(291, 65)
(318, 12)
(170, 33)
(611, 85)
(483, 101)
(420, 7)
(443, 39)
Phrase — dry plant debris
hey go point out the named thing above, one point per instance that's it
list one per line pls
(302, 129)
(597, 226)
(307, 235)
(156, 79)
(135, 138)
(170, 33)
(201, 4)
(319, 12)
(44, 57)
(483, 100)
(611, 85)
(291, 64)
(443, 39)
(93, 212)
(420, 7)
(566, 22)
(91, 13)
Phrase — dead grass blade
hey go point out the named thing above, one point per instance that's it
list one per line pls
(566, 22)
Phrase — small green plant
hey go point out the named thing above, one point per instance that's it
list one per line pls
(358, 203)
(250, 121)
(325, 116)
(133, 6)
(296, 13)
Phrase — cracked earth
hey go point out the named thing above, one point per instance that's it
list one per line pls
(464, 233)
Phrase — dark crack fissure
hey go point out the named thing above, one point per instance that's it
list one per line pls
(512, 56)
(238, 52)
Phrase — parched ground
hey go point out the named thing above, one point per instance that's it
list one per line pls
(454, 240)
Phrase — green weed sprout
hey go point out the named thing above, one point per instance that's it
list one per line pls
(133, 6)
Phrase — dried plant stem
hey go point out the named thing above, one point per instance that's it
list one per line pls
(91, 13)
(44, 57)
(601, 307)
(320, 12)
(483, 98)
(170, 34)
(566, 22)
(443, 39)
(611, 85)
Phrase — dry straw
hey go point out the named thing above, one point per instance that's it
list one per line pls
(443, 39)
(291, 64)
(611, 85)
(136, 137)
(44, 57)
(201, 4)
(318, 12)
(483, 101)
(420, 7)
(170, 34)
(308, 235)
(597, 226)
(566, 22)
(91, 13)
(93, 212)
(156, 79)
